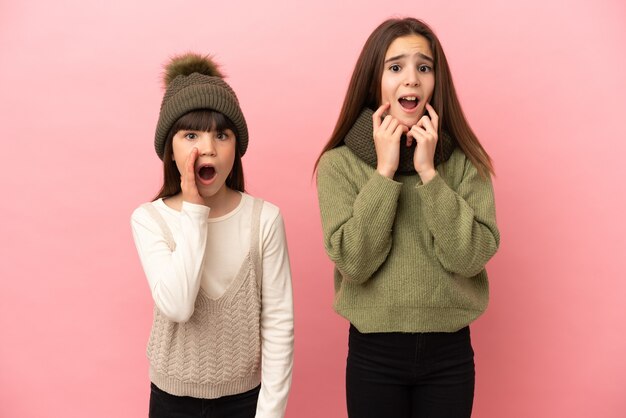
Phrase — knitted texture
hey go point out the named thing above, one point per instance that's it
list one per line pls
(360, 140)
(408, 257)
(218, 351)
(186, 93)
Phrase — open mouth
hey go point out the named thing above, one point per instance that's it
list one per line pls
(409, 102)
(206, 172)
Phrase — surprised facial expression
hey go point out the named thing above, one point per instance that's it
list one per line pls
(408, 79)
(216, 155)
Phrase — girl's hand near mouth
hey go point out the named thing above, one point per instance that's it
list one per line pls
(424, 133)
(188, 180)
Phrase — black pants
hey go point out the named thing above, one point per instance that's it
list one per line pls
(164, 405)
(425, 375)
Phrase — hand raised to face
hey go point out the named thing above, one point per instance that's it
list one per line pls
(188, 180)
(424, 133)
(387, 134)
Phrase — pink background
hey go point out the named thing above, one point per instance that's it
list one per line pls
(542, 82)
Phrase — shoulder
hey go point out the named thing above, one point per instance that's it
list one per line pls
(142, 212)
(271, 225)
(147, 210)
(342, 163)
(150, 214)
(457, 165)
(457, 158)
(269, 211)
(143, 220)
(459, 171)
(337, 156)
(464, 166)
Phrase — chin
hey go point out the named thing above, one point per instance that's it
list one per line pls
(206, 193)
(409, 123)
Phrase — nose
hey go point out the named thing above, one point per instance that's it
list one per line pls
(206, 146)
(412, 79)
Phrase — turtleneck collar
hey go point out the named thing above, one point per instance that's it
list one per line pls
(360, 140)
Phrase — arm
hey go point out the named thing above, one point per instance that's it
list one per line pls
(173, 276)
(463, 223)
(276, 323)
(357, 224)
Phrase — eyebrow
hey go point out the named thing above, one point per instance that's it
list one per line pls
(397, 57)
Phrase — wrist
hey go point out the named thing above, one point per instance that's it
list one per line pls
(386, 172)
(427, 175)
(196, 200)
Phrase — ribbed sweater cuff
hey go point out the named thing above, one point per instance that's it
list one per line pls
(435, 184)
(435, 198)
(177, 387)
(377, 202)
(383, 190)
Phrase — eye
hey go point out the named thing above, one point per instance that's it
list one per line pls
(222, 135)
(424, 68)
(191, 136)
(395, 68)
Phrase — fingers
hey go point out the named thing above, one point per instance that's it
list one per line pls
(434, 117)
(419, 134)
(387, 133)
(416, 134)
(427, 125)
(191, 163)
(188, 179)
(431, 112)
(399, 129)
(378, 115)
(388, 126)
(425, 134)
(423, 130)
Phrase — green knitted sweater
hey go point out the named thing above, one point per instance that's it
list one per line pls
(408, 257)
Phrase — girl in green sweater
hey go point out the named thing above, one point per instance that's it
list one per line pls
(408, 217)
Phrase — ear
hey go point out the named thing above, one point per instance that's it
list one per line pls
(173, 159)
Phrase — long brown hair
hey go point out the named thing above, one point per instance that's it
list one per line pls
(198, 120)
(364, 90)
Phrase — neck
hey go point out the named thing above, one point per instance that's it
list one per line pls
(222, 202)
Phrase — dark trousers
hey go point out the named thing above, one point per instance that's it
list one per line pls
(425, 375)
(242, 405)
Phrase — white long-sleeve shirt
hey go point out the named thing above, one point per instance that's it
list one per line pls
(209, 253)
